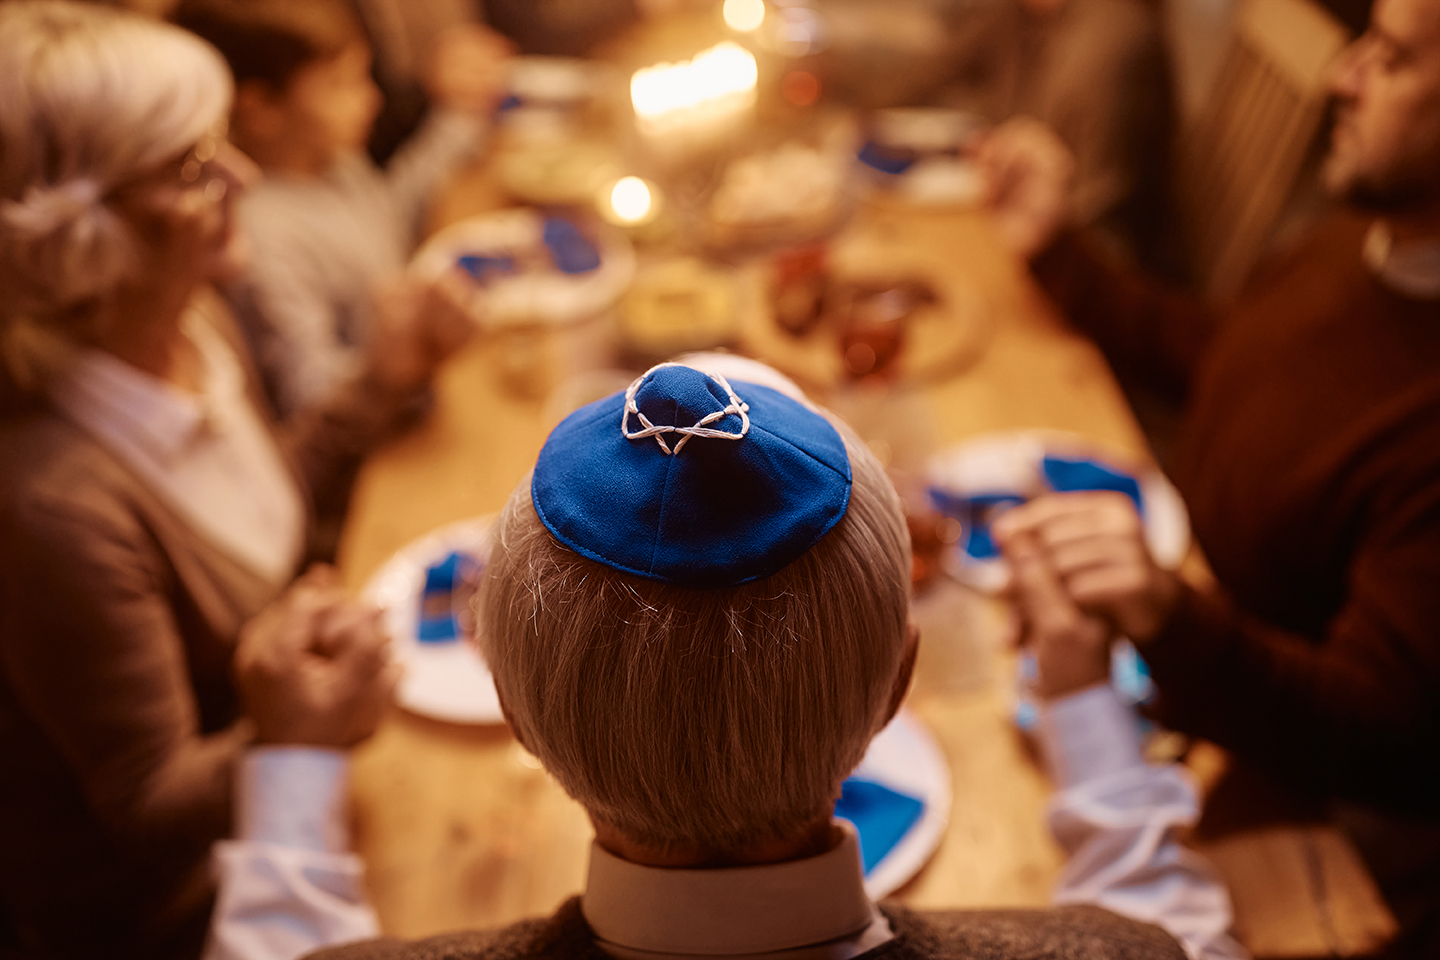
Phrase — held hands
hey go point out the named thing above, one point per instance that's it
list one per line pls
(417, 326)
(1082, 574)
(314, 668)
(469, 69)
(1028, 173)
(1071, 648)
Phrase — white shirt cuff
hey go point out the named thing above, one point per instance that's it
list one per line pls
(1088, 735)
(293, 797)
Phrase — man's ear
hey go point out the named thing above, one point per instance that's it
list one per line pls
(906, 671)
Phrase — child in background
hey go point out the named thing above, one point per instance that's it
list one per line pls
(330, 232)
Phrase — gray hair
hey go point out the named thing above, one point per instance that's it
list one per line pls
(702, 718)
(90, 98)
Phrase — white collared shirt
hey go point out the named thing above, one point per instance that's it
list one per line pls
(810, 909)
(209, 456)
(1411, 268)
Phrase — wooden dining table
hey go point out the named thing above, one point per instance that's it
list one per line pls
(461, 828)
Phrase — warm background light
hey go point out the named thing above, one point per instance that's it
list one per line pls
(630, 199)
(800, 87)
(744, 15)
(726, 71)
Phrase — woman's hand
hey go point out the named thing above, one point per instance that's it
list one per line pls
(314, 668)
(469, 68)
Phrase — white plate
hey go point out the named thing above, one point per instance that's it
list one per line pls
(926, 129)
(554, 80)
(905, 758)
(530, 296)
(1011, 463)
(447, 680)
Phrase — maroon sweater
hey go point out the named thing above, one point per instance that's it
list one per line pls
(1310, 461)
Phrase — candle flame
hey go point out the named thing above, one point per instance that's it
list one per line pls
(725, 71)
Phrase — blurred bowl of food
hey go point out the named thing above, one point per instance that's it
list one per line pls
(676, 305)
(791, 193)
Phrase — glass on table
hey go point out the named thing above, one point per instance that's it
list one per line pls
(872, 319)
(798, 290)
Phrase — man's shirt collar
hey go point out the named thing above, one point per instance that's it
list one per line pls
(811, 909)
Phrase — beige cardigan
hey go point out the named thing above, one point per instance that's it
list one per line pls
(119, 722)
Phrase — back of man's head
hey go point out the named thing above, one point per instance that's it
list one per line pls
(702, 718)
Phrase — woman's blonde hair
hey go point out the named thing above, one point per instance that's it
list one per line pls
(90, 98)
(702, 718)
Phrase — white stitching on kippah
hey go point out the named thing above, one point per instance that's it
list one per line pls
(699, 429)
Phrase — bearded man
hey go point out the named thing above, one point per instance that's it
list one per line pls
(1310, 461)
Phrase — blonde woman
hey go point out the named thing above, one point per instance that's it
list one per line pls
(149, 516)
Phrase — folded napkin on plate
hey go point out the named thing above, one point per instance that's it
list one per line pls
(975, 513)
(483, 268)
(881, 817)
(1084, 474)
(569, 248)
(892, 162)
(438, 622)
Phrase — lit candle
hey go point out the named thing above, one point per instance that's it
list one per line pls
(701, 98)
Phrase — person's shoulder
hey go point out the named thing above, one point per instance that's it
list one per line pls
(564, 936)
(42, 453)
(1061, 933)
(55, 479)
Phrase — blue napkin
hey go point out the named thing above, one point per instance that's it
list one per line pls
(438, 623)
(1084, 474)
(881, 817)
(975, 513)
(876, 156)
(568, 247)
(484, 268)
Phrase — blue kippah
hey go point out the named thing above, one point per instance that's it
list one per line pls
(686, 479)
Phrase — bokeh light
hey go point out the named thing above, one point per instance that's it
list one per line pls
(800, 87)
(744, 16)
(630, 199)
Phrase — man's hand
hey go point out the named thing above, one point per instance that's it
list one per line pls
(469, 68)
(1028, 173)
(1072, 649)
(1095, 543)
(314, 669)
(416, 327)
